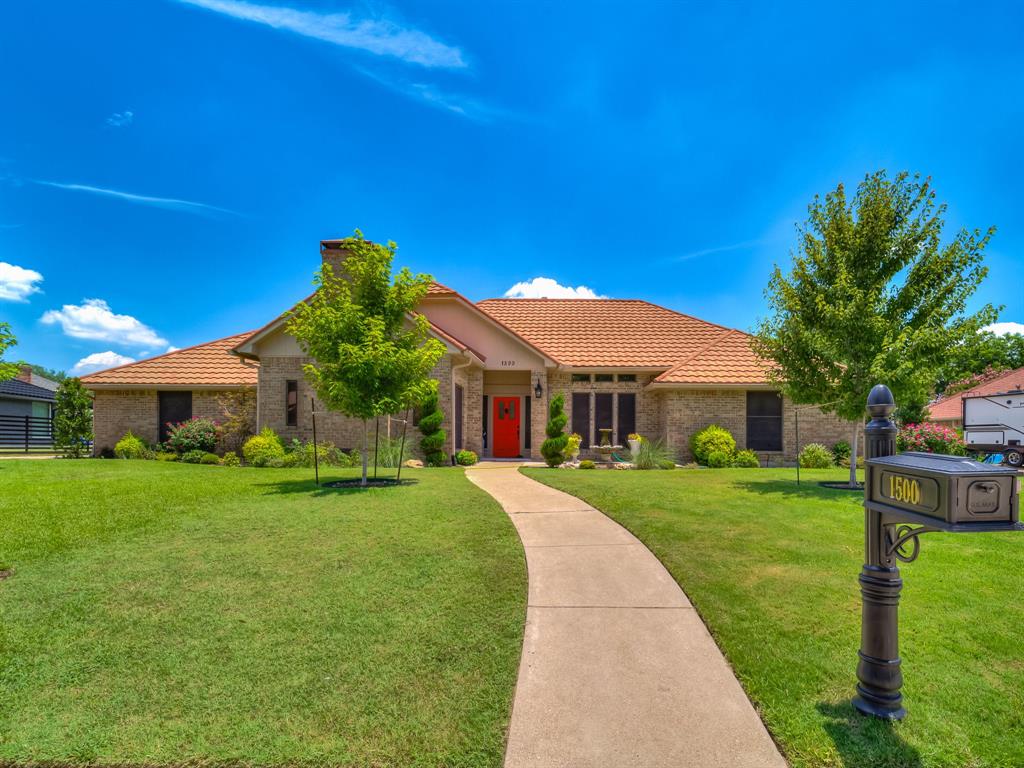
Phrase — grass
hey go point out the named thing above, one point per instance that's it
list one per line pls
(772, 568)
(166, 613)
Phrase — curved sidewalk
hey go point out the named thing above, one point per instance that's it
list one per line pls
(617, 667)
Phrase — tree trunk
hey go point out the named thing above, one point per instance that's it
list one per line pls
(366, 457)
(853, 455)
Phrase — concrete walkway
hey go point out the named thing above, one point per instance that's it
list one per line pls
(617, 667)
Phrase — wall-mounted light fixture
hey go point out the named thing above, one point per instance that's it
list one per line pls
(538, 390)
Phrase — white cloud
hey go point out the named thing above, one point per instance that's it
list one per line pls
(378, 36)
(1001, 329)
(433, 96)
(546, 288)
(98, 361)
(167, 203)
(17, 283)
(172, 348)
(121, 119)
(95, 321)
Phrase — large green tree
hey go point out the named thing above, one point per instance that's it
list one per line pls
(983, 353)
(72, 420)
(7, 370)
(873, 295)
(371, 354)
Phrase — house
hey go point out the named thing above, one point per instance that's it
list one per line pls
(27, 394)
(950, 410)
(622, 364)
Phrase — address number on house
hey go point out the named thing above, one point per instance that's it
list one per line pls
(508, 363)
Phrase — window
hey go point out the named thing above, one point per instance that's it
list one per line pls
(627, 416)
(581, 416)
(603, 413)
(578, 377)
(291, 403)
(764, 421)
(604, 377)
(458, 417)
(627, 377)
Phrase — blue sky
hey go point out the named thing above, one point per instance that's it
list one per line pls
(167, 167)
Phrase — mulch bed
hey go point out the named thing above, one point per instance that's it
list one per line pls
(842, 486)
(383, 482)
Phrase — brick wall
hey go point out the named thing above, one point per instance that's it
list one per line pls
(686, 411)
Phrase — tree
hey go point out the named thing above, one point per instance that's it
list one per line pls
(980, 355)
(72, 422)
(49, 373)
(7, 340)
(553, 449)
(371, 354)
(873, 297)
(432, 443)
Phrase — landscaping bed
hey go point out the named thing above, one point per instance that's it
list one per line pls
(772, 568)
(166, 613)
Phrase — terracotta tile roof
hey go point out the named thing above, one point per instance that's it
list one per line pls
(951, 408)
(436, 289)
(205, 365)
(728, 359)
(623, 333)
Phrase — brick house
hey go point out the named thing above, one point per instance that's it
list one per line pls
(622, 364)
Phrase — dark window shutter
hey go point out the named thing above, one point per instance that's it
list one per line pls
(528, 426)
(581, 416)
(764, 421)
(627, 416)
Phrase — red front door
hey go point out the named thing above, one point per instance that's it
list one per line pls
(505, 423)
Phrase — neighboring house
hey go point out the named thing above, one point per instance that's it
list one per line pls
(27, 394)
(950, 410)
(627, 365)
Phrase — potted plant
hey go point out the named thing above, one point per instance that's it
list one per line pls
(572, 448)
(634, 443)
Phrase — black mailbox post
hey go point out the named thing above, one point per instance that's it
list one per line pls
(906, 495)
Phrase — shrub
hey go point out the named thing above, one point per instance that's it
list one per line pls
(300, 454)
(816, 456)
(711, 439)
(653, 455)
(72, 422)
(230, 459)
(210, 458)
(196, 434)
(746, 459)
(166, 456)
(239, 419)
(466, 458)
(572, 445)
(263, 448)
(193, 457)
(432, 443)
(841, 451)
(666, 464)
(553, 449)
(587, 464)
(130, 447)
(634, 436)
(719, 459)
(930, 438)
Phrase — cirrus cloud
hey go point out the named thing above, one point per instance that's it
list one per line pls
(546, 288)
(17, 283)
(99, 361)
(94, 320)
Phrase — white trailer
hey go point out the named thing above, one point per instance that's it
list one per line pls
(995, 423)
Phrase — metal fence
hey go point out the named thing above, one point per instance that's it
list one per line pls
(26, 434)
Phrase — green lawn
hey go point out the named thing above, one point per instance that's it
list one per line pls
(773, 568)
(164, 613)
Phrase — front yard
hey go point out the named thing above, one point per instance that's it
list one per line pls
(772, 568)
(166, 613)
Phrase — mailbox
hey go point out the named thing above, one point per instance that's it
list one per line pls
(951, 493)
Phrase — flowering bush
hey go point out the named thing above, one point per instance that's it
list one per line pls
(193, 435)
(930, 438)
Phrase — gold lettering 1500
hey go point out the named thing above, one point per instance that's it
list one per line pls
(905, 489)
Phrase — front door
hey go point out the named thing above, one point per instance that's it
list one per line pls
(505, 424)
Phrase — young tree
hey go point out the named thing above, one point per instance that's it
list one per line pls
(553, 449)
(72, 422)
(874, 296)
(371, 355)
(7, 340)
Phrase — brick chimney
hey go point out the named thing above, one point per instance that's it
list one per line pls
(334, 252)
(24, 374)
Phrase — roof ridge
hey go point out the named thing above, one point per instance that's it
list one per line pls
(165, 354)
(701, 351)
